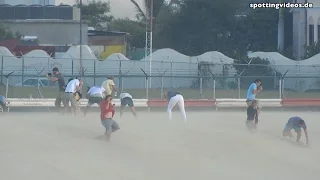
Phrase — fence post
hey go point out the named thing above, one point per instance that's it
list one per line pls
(2, 69)
(147, 80)
(282, 84)
(201, 91)
(214, 88)
(239, 86)
(280, 88)
(94, 72)
(161, 75)
(214, 84)
(72, 67)
(22, 73)
(171, 73)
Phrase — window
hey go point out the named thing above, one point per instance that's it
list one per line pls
(44, 82)
(30, 82)
(311, 34)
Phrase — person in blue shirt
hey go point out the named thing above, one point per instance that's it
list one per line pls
(295, 123)
(253, 90)
(173, 99)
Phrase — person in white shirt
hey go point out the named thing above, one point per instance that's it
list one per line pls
(94, 95)
(126, 99)
(73, 87)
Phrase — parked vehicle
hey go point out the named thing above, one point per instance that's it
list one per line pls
(33, 82)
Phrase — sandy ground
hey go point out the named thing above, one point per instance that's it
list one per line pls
(214, 145)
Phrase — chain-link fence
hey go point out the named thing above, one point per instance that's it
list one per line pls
(195, 80)
(192, 87)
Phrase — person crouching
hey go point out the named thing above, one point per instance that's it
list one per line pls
(107, 113)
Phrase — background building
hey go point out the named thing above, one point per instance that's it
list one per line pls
(28, 2)
(306, 27)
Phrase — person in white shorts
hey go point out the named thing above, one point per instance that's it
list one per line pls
(94, 95)
(126, 99)
(73, 87)
(175, 98)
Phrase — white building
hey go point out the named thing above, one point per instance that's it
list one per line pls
(306, 26)
(28, 2)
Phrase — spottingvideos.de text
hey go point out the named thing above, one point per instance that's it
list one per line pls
(280, 5)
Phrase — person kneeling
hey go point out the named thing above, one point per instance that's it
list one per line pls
(107, 113)
(252, 115)
(295, 123)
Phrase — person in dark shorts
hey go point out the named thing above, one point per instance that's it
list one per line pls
(56, 76)
(106, 116)
(126, 100)
(295, 123)
(252, 115)
(94, 95)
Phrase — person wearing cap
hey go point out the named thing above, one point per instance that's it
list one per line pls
(109, 86)
(56, 76)
(296, 123)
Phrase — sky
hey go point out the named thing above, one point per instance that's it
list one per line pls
(119, 8)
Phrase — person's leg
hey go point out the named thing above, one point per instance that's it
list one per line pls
(74, 104)
(248, 125)
(91, 101)
(172, 102)
(107, 123)
(181, 107)
(57, 102)
(115, 126)
(287, 131)
(131, 105)
(67, 100)
(298, 131)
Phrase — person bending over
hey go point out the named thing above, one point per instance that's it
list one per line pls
(296, 123)
(126, 99)
(173, 99)
(94, 95)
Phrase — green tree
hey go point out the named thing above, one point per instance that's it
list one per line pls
(5, 33)
(202, 25)
(135, 28)
(96, 13)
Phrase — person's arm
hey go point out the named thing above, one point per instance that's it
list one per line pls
(114, 86)
(78, 88)
(52, 78)
(306, 133)
(256, 90)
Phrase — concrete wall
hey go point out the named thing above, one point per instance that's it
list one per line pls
(56, 32)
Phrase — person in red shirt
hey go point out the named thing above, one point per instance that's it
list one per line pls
(107, 113)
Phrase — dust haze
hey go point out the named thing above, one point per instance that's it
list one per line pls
(214, 145)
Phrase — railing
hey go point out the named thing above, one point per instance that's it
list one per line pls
(192, 87)
(201, 80)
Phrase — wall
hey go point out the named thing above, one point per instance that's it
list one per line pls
(300, 37)
(54, 32)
